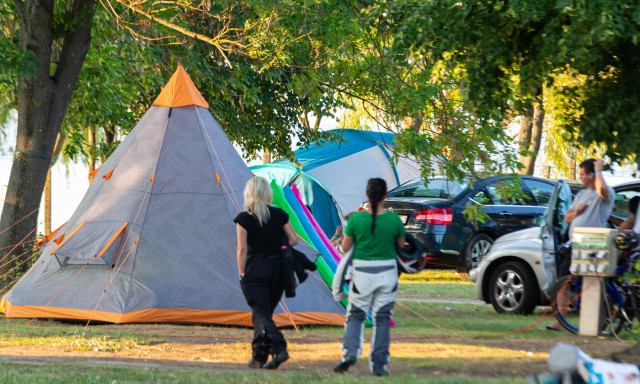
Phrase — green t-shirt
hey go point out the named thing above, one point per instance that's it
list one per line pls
(380, 244)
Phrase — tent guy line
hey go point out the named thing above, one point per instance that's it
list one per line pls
(174, 259)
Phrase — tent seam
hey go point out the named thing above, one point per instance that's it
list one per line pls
(393, 167)
(234, 200)
(150, 192)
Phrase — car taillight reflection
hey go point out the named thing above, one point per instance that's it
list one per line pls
(439, 216)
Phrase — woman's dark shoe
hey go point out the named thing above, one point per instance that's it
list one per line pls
(277, 359)
(380, 370)
(344, 364)
(255, 364)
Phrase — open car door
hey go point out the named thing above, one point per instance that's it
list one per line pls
(553, 231)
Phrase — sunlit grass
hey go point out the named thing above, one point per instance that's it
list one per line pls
(433, 276)
(77, 343)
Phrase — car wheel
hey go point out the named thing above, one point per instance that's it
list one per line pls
(477, 247)
(513, 289)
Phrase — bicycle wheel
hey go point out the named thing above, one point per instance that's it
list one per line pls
(565, 305)
(619, 312)
(627, 317)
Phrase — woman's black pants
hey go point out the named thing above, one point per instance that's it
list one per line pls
(263, 287)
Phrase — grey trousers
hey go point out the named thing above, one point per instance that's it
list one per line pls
(374, 286)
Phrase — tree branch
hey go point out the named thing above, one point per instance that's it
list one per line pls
(216, 42)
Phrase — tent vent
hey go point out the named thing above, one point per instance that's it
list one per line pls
(67, 239)
(113, 238)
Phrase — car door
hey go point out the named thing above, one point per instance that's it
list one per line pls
(511, 214)
(553, 228)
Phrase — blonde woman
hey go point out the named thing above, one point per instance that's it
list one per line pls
(261, 229)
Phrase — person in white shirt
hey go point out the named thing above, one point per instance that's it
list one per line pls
(590, 208)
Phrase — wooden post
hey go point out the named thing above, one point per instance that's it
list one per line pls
(591, 306)
(47, 204)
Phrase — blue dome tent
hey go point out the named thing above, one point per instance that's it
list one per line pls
(332, 176)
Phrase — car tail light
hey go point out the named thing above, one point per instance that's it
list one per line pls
(439, 216)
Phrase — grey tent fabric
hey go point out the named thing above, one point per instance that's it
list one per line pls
(177, 182)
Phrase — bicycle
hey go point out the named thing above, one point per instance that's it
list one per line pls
(621, 300)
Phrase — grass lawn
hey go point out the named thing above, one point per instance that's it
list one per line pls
(74, 373)
(432, 343)
(436, 284)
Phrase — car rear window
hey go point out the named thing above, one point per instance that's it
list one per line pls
(440, 188)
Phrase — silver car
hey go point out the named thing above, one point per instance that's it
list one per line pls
(512, 275)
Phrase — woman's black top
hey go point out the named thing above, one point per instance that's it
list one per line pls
(265, 238)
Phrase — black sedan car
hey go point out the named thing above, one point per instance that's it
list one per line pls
(432, 211)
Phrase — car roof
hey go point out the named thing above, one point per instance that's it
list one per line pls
(482, 179)
(627, 185)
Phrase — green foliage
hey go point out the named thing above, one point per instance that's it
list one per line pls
(474, 214)
(262, 73)
(400, 89)
(510, 49)
(13, 62)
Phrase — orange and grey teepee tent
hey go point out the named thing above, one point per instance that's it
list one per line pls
(153, 240)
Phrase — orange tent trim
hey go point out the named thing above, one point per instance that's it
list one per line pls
(59, 239)
(50, 236)
(112, 239)
(180, 92)
(170, 315)
(65, 240)
(107, 176)
(93, 173)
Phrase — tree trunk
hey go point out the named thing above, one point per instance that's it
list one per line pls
(531, 125)
(524, 140)
(266, 157)
(91, 140)
(413, 123)
(572, 169)
(536, 137)
(42, 103)
(316, 125)
(109, 135)
(109, 139)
